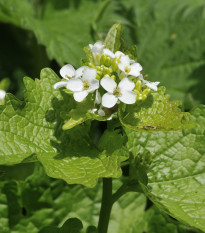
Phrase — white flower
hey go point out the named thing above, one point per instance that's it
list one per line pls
(151, 85)
(2, 94)
(122, 91)
(97, 50)
(68, 72)
(128, 67)
(112, 55)
(83, 86)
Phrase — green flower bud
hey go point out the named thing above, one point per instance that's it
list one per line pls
(138, 85)
(103, 59)
(108, 61)
(115, 64)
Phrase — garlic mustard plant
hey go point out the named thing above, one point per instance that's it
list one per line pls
(110, 77)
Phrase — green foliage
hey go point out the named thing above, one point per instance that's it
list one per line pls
(169, 165)
(176, 174)
(170, 42)
(33, 130)
(53, 202)
(62, 27)
(155, 113)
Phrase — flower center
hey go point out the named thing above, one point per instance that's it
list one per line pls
(117, 92)
(127, 69)
(86, 85)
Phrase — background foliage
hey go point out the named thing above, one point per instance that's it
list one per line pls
(37, 33)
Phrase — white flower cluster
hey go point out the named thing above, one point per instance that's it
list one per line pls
(114, 76)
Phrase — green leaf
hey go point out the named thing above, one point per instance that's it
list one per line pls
(72, 225)
(53, 202)
(91, 229)
(160, 223)
(64, 28)
(176, 175)
(155, 113)
(113, 38)
(32, 130)
(172, 54)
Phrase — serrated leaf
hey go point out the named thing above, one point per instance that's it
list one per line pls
(155, 113)
(176, 175)
(34, 129)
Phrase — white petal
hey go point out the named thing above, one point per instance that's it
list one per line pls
(135, 69)
(101, 112)
(67, 70)
(151, 85)
(75, 85)
(119, 54)
(108, 83)
(94, 85)
(141, 77)
(97, 48)
(60, 84)
(89, 74)
(79, 71)
(125, 60)
(93, 110)
(80, 96)
(109, 100)
(2, 94)
(128, 97)
(91, 46)
(98, 98)
(109, 53)
(126, 84)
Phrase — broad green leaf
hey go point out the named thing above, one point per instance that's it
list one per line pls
(155, 113)
(176, 175)
(33, 129)
(63, 27)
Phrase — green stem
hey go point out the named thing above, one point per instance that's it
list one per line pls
(106, 206)
(120, 192)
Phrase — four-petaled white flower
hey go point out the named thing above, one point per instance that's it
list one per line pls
(2, 94)
(151, 85)
(129, 67)
(97, 50)
(68, 72)
(83, 86)
(122, 91)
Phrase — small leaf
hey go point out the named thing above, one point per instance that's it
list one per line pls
(156, 113)
(113, 38)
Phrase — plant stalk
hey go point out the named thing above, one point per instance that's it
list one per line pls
(106, 206)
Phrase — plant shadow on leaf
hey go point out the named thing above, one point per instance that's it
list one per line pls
(74, 142)
(131, 111)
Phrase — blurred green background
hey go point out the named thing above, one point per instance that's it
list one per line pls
(170, 36)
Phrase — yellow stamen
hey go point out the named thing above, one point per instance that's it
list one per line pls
(117, 92)
(85, 85)
(127, 69)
